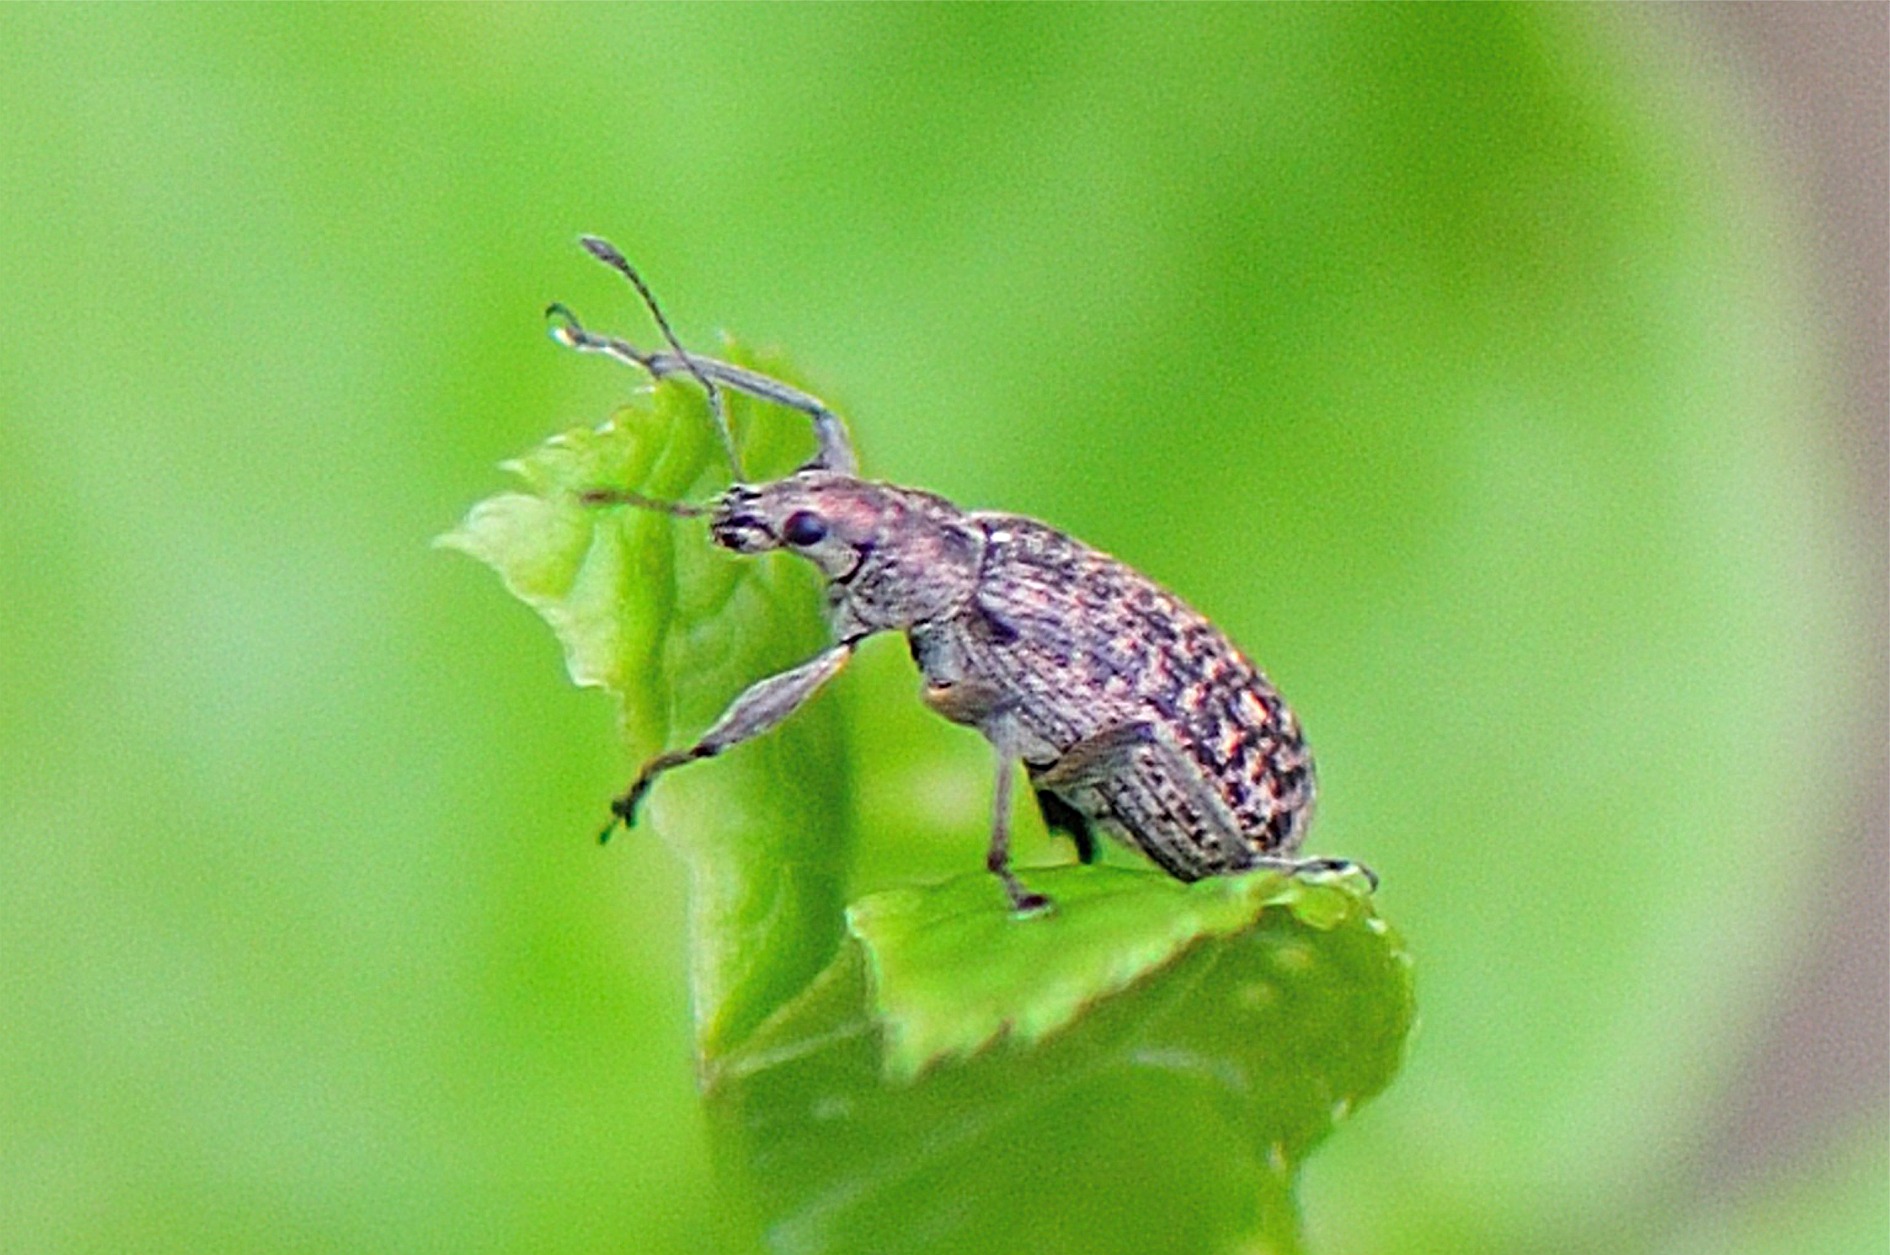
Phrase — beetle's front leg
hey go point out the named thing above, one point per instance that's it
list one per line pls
(761, 707)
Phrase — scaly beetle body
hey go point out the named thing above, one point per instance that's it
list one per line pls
(1130, 711)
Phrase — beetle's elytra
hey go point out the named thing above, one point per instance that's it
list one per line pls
(1129, 711)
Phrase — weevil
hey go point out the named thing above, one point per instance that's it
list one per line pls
(1129, 711)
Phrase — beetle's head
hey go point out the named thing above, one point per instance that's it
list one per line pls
(834, 521)
(898, 554)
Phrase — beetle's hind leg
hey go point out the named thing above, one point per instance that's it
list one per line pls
(1314, 864)
(1112, 754)
(1106, 753)
(1060, 816)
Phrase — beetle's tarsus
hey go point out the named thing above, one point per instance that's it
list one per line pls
(1339, 866)
(625, 807)
(1025, 903)
(623, 810)
(1318, 865)
(1030, 905)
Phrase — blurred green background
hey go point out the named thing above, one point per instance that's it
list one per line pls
(1472, 366)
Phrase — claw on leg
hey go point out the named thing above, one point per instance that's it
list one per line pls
(624, 809)
(1301, 866)
(1338, 867)
(760, 708)
(998, 863)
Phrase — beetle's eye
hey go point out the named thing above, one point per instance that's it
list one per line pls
(804, 528)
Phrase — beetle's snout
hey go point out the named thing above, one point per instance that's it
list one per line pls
(737, 523)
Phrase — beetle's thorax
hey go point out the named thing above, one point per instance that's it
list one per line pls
(893, 557)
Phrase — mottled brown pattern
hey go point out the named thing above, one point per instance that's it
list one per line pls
(1084, 643)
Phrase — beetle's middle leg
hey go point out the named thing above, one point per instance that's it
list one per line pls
(761, 707)
(984, 706)
(997, 859)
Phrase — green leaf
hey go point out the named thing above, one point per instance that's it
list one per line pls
(1173, 1053)
(639, 599)
(951, 975)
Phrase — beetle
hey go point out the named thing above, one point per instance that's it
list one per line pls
(1129, 711)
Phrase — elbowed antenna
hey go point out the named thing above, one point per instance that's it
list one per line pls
(835, 450)
(603, 250)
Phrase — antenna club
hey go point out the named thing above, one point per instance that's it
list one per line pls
(603, 250)
(564, 328)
